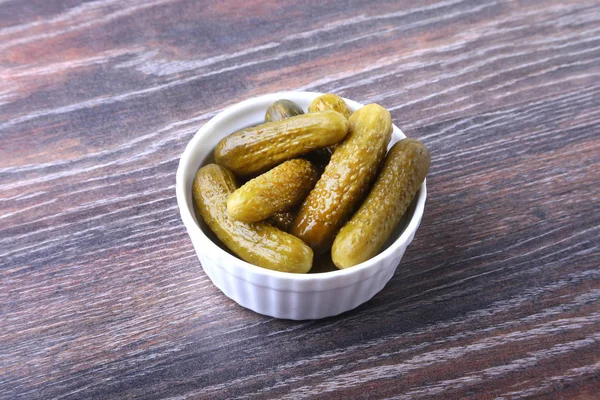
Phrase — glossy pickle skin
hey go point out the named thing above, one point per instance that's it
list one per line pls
(282, 109)
(330, 101)
(257, 149)
(277, 190)
(401, 176)
(346, 178)
(257, 243)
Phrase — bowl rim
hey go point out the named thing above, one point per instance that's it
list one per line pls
(234, 262)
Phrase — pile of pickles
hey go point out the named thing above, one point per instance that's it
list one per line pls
(315, 183)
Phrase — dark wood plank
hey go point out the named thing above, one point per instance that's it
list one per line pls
(103, 296)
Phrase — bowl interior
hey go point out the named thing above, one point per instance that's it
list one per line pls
(200, 151)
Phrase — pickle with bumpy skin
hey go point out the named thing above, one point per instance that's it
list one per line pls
(282, 109)
(346, 178)
(257, 149)
(257, 243)
(403, 171)
(330, 101)
(277, 190)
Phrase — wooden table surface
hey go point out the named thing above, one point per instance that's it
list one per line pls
(103, 297)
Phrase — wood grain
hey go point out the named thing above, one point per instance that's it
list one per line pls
(102, 295)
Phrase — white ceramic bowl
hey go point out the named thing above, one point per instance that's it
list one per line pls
(274, 293)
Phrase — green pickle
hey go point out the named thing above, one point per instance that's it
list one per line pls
(258, 243)
(330, 101)
(254, 150)
(346, 179)
(277, 190)
(282, 109)
(401, 176)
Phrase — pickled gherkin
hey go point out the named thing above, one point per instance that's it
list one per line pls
(404, 169)
(257, 149)
(330, 101)
(346, 178)
(282, 109)
(278, 190)
(258, 243)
